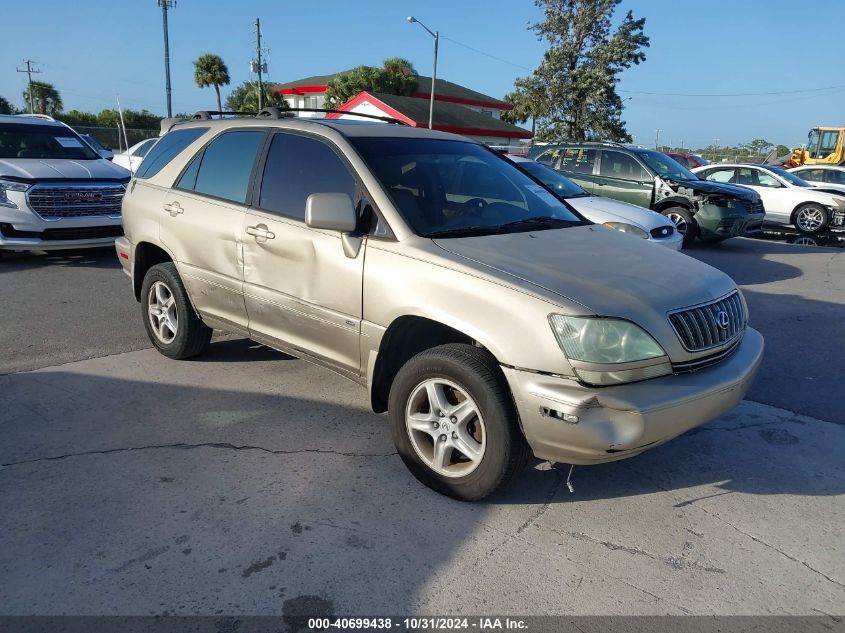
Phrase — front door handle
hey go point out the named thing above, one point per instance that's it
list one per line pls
(174, 209)
(260, 231)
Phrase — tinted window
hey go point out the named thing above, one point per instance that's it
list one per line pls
(227, 164)
(834, 176)
(296, 167)
(810, 174)
(622, 166)
(549, 157)
(559, 183)
(142, 148)
(166, 150)
(27, 140)
(683, 160)
(578, 161)
(189, 177)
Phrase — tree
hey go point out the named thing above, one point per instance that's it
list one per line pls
(396, 76)
(244, 98)
(210, 70)
(45, 97)
(758, 147)
(6, 107)
(575, 84)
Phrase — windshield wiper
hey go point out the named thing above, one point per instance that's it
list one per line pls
(540, 220)
(462, 231)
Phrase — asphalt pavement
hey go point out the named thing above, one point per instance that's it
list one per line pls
(248, 482)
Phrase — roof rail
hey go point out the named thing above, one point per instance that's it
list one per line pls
(206, 115)
(280, 113)
(46, 117)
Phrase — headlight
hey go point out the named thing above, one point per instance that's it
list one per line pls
(601, 348)
(10, 185)
(627, 228)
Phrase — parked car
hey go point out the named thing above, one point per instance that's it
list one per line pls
(710, 211)
(829, 178)
(55, 191)
(788, 199)
(482, 312)
(689, 160)
(95, 145)
(131, 158)
(613, 214)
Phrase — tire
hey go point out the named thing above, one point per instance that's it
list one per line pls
(485, 423)
(811, 219)
(685, 223)
(179, 332)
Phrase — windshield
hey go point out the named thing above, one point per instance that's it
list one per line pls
(455, 188)
(558, 183)
(27, 140)
(791, 178)
(665, 167)
(701, 160)
(93, 142)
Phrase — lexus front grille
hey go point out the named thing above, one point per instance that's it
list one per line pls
(710, 325)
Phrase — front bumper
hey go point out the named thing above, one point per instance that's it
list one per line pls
(625, 420)
(675, 241)
(720, 223)
(22, 230)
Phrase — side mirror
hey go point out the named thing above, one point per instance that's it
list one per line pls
(330, 211)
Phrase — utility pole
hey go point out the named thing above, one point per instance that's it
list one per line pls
(29, 71)
(657, 137)
(165, 6)
(715, 147)
(258, 57)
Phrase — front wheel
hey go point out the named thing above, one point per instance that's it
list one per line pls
(684, 221)
(454, 422)
(811, 219)
(169, 318)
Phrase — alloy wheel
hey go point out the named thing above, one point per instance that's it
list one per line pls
(162, 312)
(679, 222)
(445, 427)
(809, 219)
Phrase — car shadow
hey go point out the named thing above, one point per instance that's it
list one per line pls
(85, 258)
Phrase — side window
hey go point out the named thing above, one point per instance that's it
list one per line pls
(296, 167)
(747, 177)
(144, 147)
(622, 166)
(810, 174)
(578, 161)
(226, 165)
(549, 157)
(168, 147)
(834, 176)
(828, 146)
(683, 160)
(719, 175)
(189, 176)
(767, 180)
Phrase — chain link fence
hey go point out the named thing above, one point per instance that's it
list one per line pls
(112, 138)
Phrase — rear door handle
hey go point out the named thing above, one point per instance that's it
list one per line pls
(174, 209)
(260, 231)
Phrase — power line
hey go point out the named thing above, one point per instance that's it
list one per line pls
(730, 94)
(491, 56)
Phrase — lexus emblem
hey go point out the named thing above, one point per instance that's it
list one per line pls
(722, 319)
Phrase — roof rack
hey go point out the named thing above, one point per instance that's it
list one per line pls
(280, 113)
(207, 115)
(46, 117)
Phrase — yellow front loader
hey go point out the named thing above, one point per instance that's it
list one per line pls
(824, 147)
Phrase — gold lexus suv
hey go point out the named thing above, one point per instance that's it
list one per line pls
(487, 317)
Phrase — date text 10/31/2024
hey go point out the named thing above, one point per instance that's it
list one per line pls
(418, 624)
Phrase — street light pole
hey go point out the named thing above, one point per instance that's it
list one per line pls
(165, 6)
(436, 36)
(657, 137)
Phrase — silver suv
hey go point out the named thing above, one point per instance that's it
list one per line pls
(56, 192)
(479, 310)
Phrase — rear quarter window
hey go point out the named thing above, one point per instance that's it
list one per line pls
(167, 148)
(578, 161)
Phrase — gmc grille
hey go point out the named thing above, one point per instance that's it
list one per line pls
(699, 328)
(53, 202)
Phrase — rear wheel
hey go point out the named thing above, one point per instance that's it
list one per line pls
(684, 222)
(169, 318)
(811, 219)
(454, 422)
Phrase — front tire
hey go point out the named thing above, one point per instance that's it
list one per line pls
(169, 318)
(811, 219)
(685, 223)
(454, 423)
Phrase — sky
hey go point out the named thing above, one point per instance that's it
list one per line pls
(785, 56)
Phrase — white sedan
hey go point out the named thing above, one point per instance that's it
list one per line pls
(787, 198)
(825, 177)
(613, 214)
(131, 158)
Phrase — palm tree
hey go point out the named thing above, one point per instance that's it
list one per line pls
(210, 70)
(46, 98)
(6, 107)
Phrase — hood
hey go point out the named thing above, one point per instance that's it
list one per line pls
(607, 272)
(708, 186)
(600, 210)
(34, 169)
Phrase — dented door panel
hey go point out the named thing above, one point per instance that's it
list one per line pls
(301, 291)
